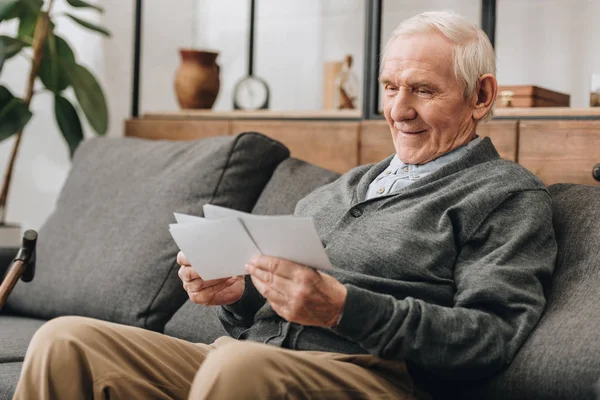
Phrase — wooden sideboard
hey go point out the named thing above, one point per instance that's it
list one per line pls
(555, 150)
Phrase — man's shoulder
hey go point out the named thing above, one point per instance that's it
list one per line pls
(506, 175)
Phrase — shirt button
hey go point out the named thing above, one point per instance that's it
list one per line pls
(405, 169)
(356, 212)
(380, 190)
(388, 172)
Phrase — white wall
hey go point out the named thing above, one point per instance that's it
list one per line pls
(167, 26)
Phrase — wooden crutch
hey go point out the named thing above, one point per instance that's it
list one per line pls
(23, 266)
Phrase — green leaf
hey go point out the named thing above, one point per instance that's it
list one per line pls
(28, 16)
(9, 47)
(90, 96)
(34, 5)
(27, 21)
(52, 73)
(89, 25)
(68, 122)
(81, 3)
(14, 114)
(9, 9)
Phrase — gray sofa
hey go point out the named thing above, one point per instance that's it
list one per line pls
(106, 253)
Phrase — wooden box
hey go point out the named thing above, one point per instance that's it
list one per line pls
(530, 96)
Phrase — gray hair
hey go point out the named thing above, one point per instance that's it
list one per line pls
(473, 54)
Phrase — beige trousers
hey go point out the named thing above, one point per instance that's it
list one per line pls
(83, 358)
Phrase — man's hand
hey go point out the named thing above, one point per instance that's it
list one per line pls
(215, 292)
(297, 293)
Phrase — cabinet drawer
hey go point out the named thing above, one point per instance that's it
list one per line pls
(560, 151)
(331, 144)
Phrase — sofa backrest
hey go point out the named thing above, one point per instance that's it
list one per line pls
(106, 251)
(561, 358)
(292, 180)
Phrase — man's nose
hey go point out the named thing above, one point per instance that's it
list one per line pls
(402, 107)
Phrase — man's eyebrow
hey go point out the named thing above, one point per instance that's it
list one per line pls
(421, 82)
(384, 80)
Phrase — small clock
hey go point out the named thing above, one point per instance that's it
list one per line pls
(251, 93)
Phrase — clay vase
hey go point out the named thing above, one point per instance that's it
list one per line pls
(197, 79)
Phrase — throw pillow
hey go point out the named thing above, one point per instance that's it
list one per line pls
(106, 251)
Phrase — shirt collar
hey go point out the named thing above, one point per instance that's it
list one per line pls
(433, 165)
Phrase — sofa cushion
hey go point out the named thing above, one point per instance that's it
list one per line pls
(195, 323)
(106, 251)
(292, 180)
(15, 335)
(561, 358)
(9, 376)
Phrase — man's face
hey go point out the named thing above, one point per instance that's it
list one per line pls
(423, 103)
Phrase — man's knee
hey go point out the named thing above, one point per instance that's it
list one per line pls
(241, 358)
(237, 368)
(61, 331)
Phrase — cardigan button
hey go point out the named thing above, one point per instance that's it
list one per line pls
(356, 212)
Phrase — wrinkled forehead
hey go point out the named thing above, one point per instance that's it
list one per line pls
(428, 53)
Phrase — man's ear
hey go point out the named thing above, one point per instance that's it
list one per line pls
(487, 89)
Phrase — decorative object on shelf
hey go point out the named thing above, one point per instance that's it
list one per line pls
(197, 80)
(595, 91)
(346, 87)
(331, 70)
(54, 63)
(530, 96)
(505, 98)
(251, 92)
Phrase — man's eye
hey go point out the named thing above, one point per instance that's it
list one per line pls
(390, 89)
(422, 91)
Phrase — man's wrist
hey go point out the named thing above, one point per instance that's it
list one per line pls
(250, 301)
(341, 304)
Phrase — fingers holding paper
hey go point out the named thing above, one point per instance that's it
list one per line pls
(212, 292)
(182, 259)
(298, 293)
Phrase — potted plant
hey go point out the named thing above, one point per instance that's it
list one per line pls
(53, 64)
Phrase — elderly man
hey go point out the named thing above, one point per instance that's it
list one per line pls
(442, 253)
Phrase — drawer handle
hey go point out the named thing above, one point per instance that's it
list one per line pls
(596, 172)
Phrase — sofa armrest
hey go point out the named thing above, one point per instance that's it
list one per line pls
(7, 255)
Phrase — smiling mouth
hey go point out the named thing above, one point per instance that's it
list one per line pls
(412, 132)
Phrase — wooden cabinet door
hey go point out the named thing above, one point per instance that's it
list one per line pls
(504, 136)
(329, 144)
(376, 140)
(560, 151)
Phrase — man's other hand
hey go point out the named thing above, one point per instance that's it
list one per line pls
(215, 292)
(298, 293)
